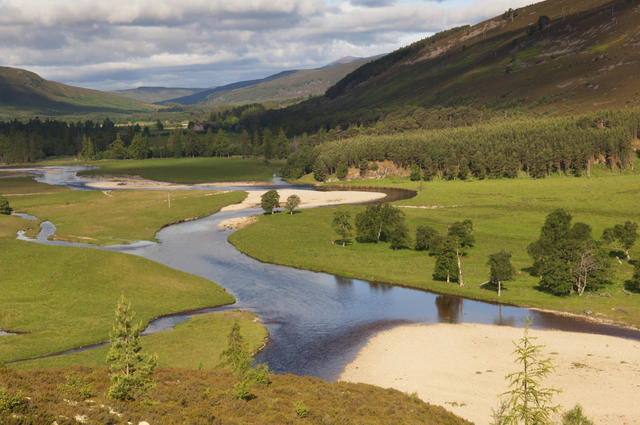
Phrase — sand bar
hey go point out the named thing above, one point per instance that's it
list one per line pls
(308, 198)
(462, 367)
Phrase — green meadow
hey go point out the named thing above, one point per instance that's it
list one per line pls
(194, 344)
(111, 217)
(190, 170)
(506, 214)
(60, 298)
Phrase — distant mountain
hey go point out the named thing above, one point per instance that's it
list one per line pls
(25, 93)
(156, 94)
(561, 56)
(204, 95)
(286, 85)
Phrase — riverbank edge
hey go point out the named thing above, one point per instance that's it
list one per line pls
(153, 319)
(440, 291)
(154, 239)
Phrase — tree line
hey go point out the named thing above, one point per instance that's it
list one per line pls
(22, 142)
(537, 147)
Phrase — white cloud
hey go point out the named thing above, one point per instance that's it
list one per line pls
(203, 43)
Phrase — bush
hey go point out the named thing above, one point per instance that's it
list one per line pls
(4, 206)
(301, 410)
(11, 403)
(76, 388)
(575, 417)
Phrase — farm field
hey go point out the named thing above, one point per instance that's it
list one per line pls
(506, 214)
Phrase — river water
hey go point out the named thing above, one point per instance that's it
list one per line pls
(317, 321)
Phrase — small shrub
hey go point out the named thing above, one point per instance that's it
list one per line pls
(11, 403)
(301, 410)
(76, 388)
(575, 417)
(4, 206)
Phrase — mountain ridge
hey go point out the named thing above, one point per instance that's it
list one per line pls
(560, 56)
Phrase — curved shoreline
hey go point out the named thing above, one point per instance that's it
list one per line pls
(463, 366)
(438, 291)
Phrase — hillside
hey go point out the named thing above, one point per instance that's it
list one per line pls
(156, 94)
(295, 85)
(562, 56)
(24, 92)
(206, 397)
(286, 85)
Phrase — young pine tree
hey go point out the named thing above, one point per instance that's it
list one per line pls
(528, 402)
(131, 371)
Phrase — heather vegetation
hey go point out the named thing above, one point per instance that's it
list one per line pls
(206, 397)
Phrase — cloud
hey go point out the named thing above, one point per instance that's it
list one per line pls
(204, 43)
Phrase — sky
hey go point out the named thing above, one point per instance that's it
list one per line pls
(120, 44)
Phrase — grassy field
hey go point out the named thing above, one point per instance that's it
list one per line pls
(506, 214)
(206, 397)
(190, 170)
(194, 344)
(62, 297)
(65, 297)
(114, 217)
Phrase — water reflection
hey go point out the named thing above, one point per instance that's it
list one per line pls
(450, 309)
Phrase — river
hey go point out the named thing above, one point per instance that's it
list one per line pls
(317, 321)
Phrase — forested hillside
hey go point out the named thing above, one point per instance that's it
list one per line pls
(559, 56)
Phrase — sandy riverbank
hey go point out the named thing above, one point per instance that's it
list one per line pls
(309, 198)
(462, 367)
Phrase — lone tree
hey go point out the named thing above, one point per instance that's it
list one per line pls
(378, 222)
(131, 370)
(567, 258)
(342, 226)
(292, 203)
(528, 402)
(4, 206)
(501, 269)
(461, 236)
(622, 236)
(446, 265)
(270, 201)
